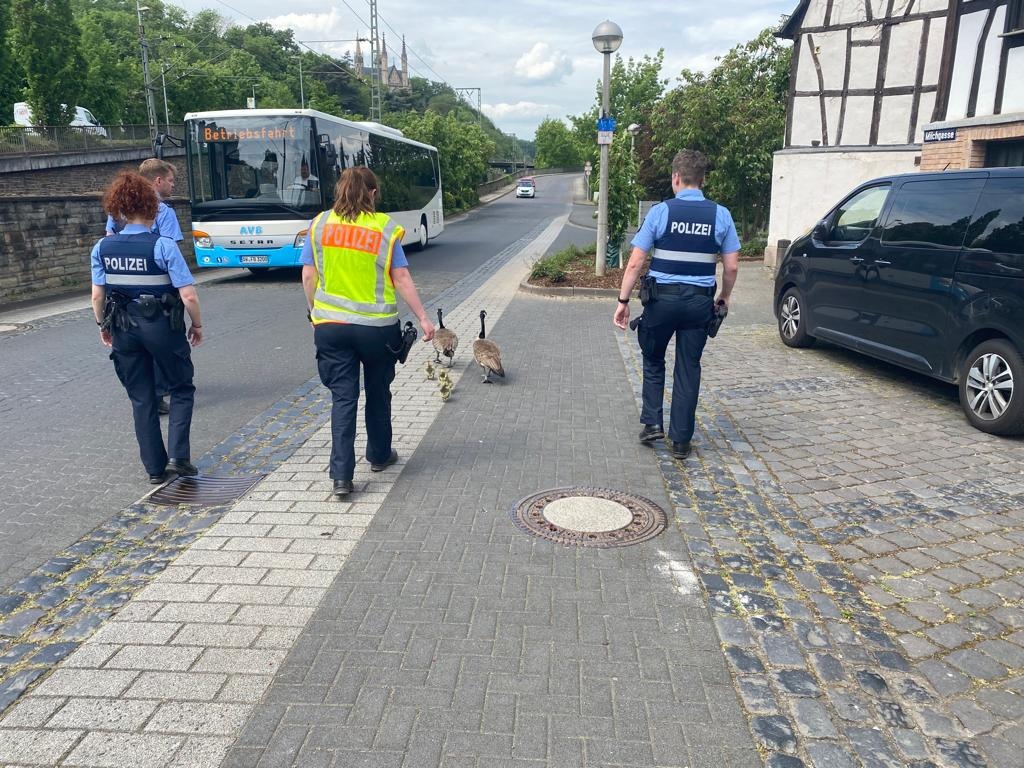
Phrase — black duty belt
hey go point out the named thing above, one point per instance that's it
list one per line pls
(682, 289)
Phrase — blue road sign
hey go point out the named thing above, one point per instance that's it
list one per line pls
(606, 124)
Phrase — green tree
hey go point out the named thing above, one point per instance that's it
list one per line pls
(623, 194)
(11, 73)
(48, 44)
(736, 115)
(556, 147)
(463, 150)
(634, 89)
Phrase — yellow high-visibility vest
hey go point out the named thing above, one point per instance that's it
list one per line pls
(353, 264)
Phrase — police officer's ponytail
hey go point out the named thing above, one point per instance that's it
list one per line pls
(355, 193)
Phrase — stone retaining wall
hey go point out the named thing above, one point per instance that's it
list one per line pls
(46, 243)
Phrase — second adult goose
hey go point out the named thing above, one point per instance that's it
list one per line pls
(487, 353)
(445, 341)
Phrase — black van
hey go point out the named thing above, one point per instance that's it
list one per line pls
(924, 270)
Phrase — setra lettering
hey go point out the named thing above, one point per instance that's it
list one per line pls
(690, 228)
(123, 264)
(354, 238)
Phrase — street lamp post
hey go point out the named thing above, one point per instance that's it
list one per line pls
(633, 129)
(607, 38)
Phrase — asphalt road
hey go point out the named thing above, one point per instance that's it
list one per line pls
(68, 457)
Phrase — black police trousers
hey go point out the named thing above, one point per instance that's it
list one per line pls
(683, 312)
(340, 350)
(137, 352)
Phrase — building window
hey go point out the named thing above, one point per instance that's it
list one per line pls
(1015, 16)
(1004, 154)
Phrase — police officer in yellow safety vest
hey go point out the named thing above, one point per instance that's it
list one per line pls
(352, 264)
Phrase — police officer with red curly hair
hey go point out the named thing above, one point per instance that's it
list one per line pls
(141, 290)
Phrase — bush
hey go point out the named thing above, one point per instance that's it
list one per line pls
(553, 267)
(754, 247)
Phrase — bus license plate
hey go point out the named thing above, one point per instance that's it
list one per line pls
(254, 259)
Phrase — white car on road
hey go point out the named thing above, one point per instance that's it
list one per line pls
(526, 187)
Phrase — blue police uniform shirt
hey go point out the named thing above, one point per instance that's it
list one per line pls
(656, 222)
(166, 254)
(165, 225)
(398, 257)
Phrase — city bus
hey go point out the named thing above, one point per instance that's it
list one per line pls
(257, 176)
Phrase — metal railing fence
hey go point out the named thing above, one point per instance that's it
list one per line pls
(45, 140)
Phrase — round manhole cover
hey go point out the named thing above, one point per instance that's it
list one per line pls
(589, 517)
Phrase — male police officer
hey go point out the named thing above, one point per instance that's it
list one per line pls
(684, 236)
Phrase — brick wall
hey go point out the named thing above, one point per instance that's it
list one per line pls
(967, 150)
(45, 242)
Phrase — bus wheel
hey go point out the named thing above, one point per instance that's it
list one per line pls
(424, 235)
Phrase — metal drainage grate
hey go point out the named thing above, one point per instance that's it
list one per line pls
(204, 490)
(589, 517)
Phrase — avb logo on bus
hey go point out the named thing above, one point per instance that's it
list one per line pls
(250, 230)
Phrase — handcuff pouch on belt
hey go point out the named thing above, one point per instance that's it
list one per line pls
(148, 306)
(648, 290)
(408, 339)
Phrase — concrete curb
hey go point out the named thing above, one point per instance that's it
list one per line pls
(569, 292)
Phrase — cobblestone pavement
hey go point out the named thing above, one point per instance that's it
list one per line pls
(861, 546)
(451, 638)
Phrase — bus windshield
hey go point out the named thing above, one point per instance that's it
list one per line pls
(258, 163)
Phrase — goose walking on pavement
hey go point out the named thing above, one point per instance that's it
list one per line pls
(487, 353)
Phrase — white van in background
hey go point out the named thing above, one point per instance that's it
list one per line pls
(82, 118)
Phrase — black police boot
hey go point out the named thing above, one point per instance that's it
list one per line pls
(182, 467)
(162, 406)
(158, 479)
(392, 459)
(680, 450)
(343, 488)
(650, 433)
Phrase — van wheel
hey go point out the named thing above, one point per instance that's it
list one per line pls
(992, 388)
(424, 233)
(793, 320)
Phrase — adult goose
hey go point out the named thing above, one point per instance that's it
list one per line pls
(445, 341)
(487, 353)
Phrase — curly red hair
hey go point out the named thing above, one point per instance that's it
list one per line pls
(130, 196)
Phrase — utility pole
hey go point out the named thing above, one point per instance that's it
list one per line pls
(375, 107)
(150, 107)
(167, 114)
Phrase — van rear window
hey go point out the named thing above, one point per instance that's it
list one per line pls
(998, 224)
(932, 213)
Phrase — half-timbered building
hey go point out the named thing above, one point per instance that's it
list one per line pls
(889, 86)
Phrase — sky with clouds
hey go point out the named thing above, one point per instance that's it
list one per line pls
(531, 58)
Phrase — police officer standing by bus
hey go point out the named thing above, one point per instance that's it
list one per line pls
(352, 265)
(141, 291)
(160, 174)
(684, 236)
